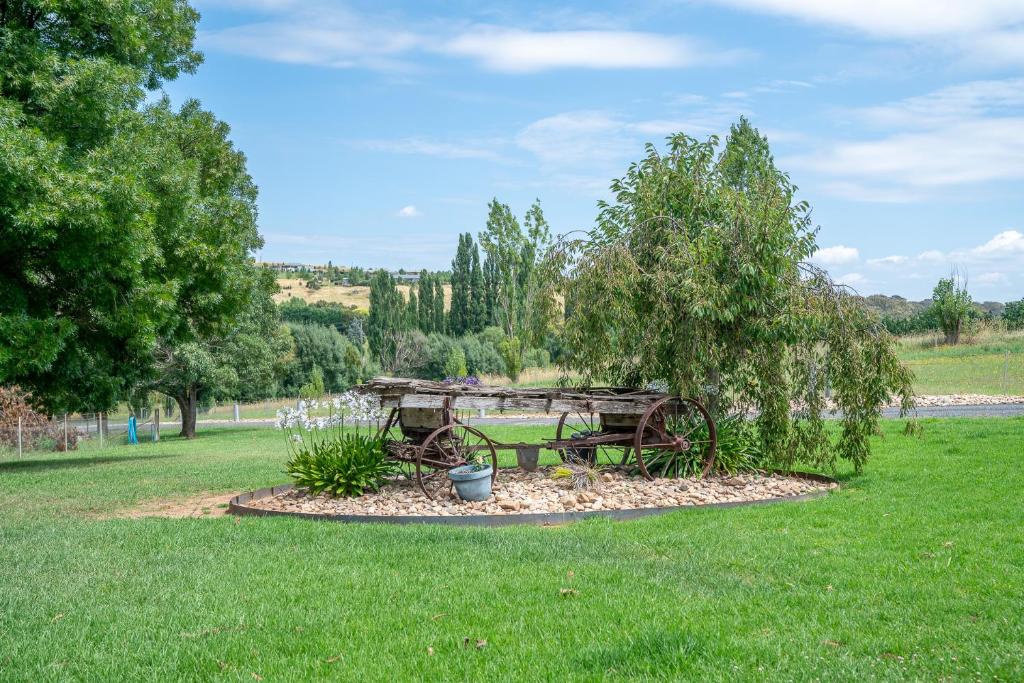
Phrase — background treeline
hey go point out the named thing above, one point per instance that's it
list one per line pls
(502, 315)
(903, 317)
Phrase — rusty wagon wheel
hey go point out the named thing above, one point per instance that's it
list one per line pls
(675, 428)
(447, 448)
(588, 424)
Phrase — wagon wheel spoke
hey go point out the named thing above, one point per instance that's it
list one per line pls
(674, 437)
(448, 447)
(588, 424)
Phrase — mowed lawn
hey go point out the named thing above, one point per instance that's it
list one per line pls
(914, 570)
(993, 365)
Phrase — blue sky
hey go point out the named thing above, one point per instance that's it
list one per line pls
(377, 133)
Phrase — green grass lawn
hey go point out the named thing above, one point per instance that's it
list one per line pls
(993, 364)
(914, 570)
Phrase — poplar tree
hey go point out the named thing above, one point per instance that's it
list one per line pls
(438, 316)
(478, 294)
(459, 317)
(426, 303)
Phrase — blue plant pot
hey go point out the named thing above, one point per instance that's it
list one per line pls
(472, 484)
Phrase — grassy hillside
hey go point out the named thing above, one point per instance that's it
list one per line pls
(348, 296)
(991, 363)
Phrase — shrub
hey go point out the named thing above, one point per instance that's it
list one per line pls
(348, 466)
(738, 450)
(482, 357)
(314, 388)
(536, 358)
(37, 432)
(511, 351)
(455, 366)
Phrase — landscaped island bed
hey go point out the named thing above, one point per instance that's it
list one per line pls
(517, 492)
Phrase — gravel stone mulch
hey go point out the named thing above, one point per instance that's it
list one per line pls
(518, 492)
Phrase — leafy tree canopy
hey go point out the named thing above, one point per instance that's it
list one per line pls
(77, 220)
(695, 276)
(951, 307)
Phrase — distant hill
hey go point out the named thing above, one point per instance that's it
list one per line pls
(897, 307)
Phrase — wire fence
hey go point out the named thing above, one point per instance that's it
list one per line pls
(983, 369)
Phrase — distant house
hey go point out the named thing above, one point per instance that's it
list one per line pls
(281, 267)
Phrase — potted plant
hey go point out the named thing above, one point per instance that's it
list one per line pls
(472, 480)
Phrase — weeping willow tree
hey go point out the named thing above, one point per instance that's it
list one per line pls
(696, 276)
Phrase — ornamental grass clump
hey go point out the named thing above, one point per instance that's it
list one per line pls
(346, 467)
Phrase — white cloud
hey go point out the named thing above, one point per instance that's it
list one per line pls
(888, 261)
(851, 280)
(324, 34)
(472, 149)
(964, 101)
(992, 279)
(897, 18)
(837, 255)
(334, 38)
(932, 255)
(1006, 244)
(960, 135)
(519, 51)
(588, 137)
(409, 212)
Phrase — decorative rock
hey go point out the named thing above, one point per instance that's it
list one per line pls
(518, 492)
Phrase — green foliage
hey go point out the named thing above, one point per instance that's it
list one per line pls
(482, 357)
(1013, 315)
(314, 388)
(340, 362)
(519, 292)
(738, 450)
(459, 311)
(386, 321)
(455, 365)
(916, 323)
(696, 276)
(437, 314)
(951, 307)
(320, 313)
(347, 466)
(511, 351)
(220, 334)
(80, 304)
(425, 287)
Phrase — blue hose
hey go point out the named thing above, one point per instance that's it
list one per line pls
(133, 436)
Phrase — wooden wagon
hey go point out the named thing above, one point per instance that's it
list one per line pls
(610, 427)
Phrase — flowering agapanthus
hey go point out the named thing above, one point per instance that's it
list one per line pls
(469, 381)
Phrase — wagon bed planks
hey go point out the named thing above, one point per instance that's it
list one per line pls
(424, 394)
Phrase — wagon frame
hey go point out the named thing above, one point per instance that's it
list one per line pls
(604, 426)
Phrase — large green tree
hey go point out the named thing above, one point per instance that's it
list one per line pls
(696, 277)
(459, 320)
(219, 334)
(951, 307)
(79, 312)
(387, 321)
(318, 346)
(425, 286)
(524, 304)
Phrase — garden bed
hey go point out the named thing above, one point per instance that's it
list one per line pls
(523, 497)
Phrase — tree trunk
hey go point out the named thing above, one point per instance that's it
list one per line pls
(187, 406)
(713, 378)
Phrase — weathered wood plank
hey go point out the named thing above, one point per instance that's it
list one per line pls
(558, 405)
